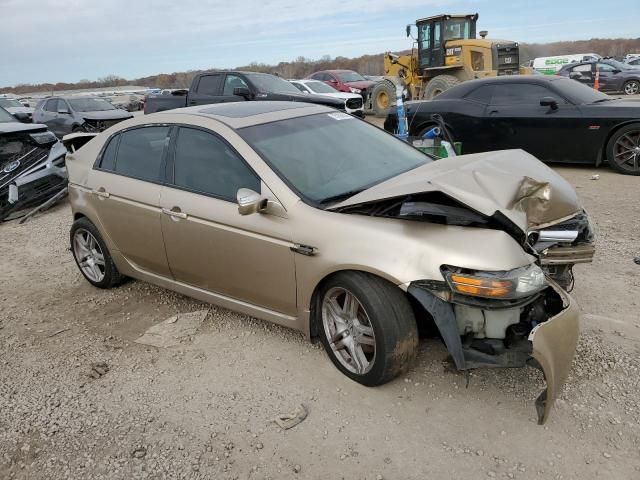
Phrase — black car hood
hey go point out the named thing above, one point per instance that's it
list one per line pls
(302, 97)
(106, 115)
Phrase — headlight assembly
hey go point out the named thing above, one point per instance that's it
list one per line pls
(355, 90)
(510, 285)
(43, 138)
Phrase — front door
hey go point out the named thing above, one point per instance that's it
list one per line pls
(126, 185)
(517, 120)
(583, 73)
(208, 243)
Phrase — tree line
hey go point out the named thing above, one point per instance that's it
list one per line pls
(302, 66)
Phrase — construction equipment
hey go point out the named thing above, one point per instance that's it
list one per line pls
(445, 53)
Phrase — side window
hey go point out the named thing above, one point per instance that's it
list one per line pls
(204, 163)
(140, 152)
(62, 105)
(51, 105)
(436, 35)
(108, 160)
(299, 87)
(582, 68)
(604, 67)
(481, 94)
(521, 94)
(317, 76)
(231, 82)
(210, 85)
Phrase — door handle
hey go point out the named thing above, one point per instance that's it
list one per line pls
(493, 112)
(174, 213)
(192, 102)
(101, 192)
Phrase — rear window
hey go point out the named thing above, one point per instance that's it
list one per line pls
(140, 153)
(210, 85)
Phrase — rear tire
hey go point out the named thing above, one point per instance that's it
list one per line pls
(439, 84)
(91, 255)
(632, 87)
(383, 97)
(623, 150)
(367, 327)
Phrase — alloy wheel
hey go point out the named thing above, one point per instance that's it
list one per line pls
(89, 255)
(349, 330)
(626, 151)
(632, 88)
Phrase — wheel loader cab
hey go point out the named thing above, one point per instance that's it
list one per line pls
(435, 32)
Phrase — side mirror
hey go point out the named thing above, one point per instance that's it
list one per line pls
(616, 71)
(549, 102)
(575, 75)
(250, 201)
(408, 30)
(242, 92)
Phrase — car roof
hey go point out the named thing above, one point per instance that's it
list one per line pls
(244, 114)
(466, 87)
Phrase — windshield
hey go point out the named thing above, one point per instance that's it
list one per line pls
(347, 77)
(10, 103)
(321, 87)
(266, 83)
(620, 65)
(331, 154)
(90, 104)
(6, 117)
(578, 93)
(456, 28)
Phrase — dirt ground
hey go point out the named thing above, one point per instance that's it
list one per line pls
(203, 409)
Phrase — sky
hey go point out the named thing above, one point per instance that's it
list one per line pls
(70, 40)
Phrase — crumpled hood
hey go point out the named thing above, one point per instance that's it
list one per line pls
(13, 110)
(106, 115)
(512, 182)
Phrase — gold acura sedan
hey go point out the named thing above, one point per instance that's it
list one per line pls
(313, 219)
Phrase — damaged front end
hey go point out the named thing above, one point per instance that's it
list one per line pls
(32, 170)
(538, 328)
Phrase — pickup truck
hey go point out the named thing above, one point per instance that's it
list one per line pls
(220, 87)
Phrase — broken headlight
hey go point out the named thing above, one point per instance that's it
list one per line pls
(513, 284)
(43, 138)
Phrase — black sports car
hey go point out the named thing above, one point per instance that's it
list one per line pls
(551, 117)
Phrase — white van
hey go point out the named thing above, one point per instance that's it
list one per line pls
(550, 65)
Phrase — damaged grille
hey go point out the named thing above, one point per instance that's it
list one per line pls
(14, 164)
(354, 103)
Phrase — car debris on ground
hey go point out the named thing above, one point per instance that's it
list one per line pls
(173, 331)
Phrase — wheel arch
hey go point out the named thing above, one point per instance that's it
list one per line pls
(313, 302)
(602, 157)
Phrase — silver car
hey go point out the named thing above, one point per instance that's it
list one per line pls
(77, 114)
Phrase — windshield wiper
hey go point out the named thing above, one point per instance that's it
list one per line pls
(340, 196)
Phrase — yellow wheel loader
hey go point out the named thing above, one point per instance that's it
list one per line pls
(445, 53)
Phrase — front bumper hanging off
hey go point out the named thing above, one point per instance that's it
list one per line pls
(551, 344)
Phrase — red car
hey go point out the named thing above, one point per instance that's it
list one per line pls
(345, 81)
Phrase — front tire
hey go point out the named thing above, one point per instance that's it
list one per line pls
(91, 255)
(367, 327)
(623, 150)
(438, 85)
(383, 97)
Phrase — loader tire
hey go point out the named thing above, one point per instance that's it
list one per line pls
(383, 97)
(439, 84)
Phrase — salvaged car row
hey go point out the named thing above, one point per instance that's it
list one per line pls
(269, 208)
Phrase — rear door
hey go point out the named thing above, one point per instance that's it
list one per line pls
(208, 243)
(517, 120)
(208, 90)
(126, 184)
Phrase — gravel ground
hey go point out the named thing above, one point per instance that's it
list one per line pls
(80, 400)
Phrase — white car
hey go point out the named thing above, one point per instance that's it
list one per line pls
(353, 103)
(15, 108)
